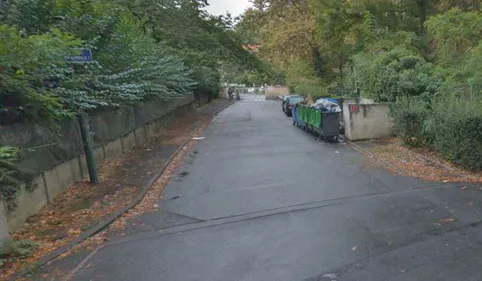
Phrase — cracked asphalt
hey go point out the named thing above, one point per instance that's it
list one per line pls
(259, 199)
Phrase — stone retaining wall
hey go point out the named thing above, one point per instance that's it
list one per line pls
(53, 181)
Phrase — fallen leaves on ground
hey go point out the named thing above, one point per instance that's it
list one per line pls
(150, 201)
(61, 222)
(81, 206)
(420, 163)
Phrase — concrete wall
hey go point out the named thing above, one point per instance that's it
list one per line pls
(359, 101)
(52, 182)
(3, 222)
(364, 119)
(223, 93)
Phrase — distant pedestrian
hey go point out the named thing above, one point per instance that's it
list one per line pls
(237, 95)
(230, 93)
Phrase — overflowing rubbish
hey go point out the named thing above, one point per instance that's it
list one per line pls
(327, 105)
(320, 119)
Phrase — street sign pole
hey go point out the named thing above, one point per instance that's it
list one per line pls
(89, 153)
(83, 56)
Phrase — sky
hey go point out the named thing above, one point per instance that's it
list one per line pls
(234, 7)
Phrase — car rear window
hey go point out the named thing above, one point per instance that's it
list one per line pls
(295, 100)
(290, 97)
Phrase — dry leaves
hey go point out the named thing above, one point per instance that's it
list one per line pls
(419, 163)
(150, 201)
(82, 205)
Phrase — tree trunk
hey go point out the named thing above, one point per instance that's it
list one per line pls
(340, 65)
(422, 8)
(318, 63)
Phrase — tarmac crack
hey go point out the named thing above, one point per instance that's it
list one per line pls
(338, 271)
(266, 213)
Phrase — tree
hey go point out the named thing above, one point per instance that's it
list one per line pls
(30, 67)
(205, 43)
(130, 67)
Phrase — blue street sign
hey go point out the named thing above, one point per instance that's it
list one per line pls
(80, 56)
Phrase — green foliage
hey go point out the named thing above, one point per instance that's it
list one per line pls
(449, 125)
(8, 153)
(454, 34)
(8, 181)
(143, 50)
(423, 56)
(457, 36)
(30, 67)
(304, 80)
(30, 16)
(456, 128)
(130, 67)
(473, 69)
(410, 117)
(13, 250)
(204, 42)
(397, 74)
(208, 82)
(394, 74)
(270, 77)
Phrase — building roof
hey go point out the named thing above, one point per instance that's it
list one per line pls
(252, 48)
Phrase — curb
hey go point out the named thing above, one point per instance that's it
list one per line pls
(370, 155)
(397, 170)
(101, 226)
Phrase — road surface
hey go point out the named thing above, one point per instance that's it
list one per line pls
(259, 199)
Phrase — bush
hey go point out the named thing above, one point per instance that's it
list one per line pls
(13, 250)
(8, 179)
(457, 127)
(30, 66)
(409, 123)
(451, 126)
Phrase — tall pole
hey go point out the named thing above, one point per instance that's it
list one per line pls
(89, 153)
(85, 57)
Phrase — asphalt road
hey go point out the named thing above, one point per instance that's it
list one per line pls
(259, 199)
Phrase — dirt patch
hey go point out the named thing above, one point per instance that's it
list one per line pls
(82, 206)
(421, 163)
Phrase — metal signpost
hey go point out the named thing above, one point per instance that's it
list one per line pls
(82, 56)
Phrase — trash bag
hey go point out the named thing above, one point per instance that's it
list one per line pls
(325, 105)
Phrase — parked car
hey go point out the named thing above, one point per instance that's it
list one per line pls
(284, 103)
(291, 102)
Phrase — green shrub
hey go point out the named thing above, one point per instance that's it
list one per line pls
(13, 250)
(30, 66)
(8, 182)
(457, 127)
(410, 120)
(451, 126)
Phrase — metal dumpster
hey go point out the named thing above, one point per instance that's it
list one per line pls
(324, 124)
(294, 114)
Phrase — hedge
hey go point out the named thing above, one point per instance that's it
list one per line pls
(450, 126)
